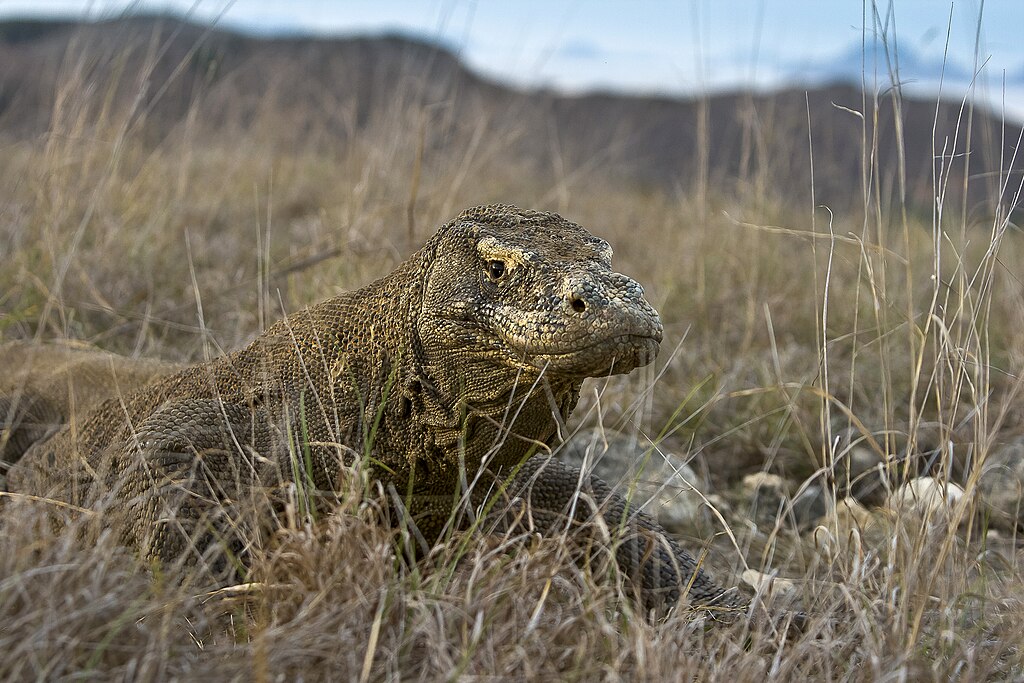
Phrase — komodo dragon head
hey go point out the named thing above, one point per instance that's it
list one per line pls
(535, 292)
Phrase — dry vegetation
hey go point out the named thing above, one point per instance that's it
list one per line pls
(790, 333)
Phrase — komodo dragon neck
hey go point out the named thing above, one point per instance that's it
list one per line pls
(419, 411)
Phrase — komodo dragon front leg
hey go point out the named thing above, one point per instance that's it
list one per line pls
(186, 479)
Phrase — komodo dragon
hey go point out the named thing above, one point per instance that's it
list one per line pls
(456, 369)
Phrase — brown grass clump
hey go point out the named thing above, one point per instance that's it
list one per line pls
(792, 336)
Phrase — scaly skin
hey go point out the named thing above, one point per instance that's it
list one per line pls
(455, 367)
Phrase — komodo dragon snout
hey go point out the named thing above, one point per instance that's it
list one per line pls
(540, 295)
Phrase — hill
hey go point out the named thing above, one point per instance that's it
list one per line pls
(327, 90)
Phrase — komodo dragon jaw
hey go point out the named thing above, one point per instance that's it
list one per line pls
(542, 294)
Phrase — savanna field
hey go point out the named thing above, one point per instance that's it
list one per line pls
(835, 422)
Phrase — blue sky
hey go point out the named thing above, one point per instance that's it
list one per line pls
(683, 46)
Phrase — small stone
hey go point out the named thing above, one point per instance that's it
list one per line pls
(868, 478)
(810, 505)
(719, 503)
(852, 530)
(860, 472)
(848, 527)
(926, 497)
(851, 514)
(764, 482)
(765, 494)
(768, 583)
(716, 511)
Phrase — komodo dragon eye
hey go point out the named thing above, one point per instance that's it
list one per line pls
(495, 270)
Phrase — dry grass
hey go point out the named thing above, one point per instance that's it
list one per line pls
(785, 327)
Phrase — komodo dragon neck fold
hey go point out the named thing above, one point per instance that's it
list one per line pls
(459, 365)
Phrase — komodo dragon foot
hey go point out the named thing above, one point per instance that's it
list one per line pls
(559, 499)
(185, 481)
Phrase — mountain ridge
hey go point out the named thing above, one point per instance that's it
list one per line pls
(337, 87)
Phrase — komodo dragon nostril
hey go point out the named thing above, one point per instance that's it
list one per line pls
(578, 304)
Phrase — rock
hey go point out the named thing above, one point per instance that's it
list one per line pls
(768, 584)
(867, 476)
(764, 483)
(946, 449)
(765, 493)
(766, 497)
(871, 477)
(927, 498)
(810, 505)
(1001, 485)
(849, 513)
(657, 481)
(716, 513)
(829, 545)
(859, 470)
(849, 528)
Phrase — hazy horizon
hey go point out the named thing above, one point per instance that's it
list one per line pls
(649, 47)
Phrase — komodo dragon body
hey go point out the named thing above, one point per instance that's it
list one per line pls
(455, 371)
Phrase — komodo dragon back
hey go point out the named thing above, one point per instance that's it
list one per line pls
(456, 370)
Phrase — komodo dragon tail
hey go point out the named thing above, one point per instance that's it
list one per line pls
(47, 386)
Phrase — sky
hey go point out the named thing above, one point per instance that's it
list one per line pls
(651, 46)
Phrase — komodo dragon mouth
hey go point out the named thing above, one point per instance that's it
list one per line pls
(593, 355)
(615, 355)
